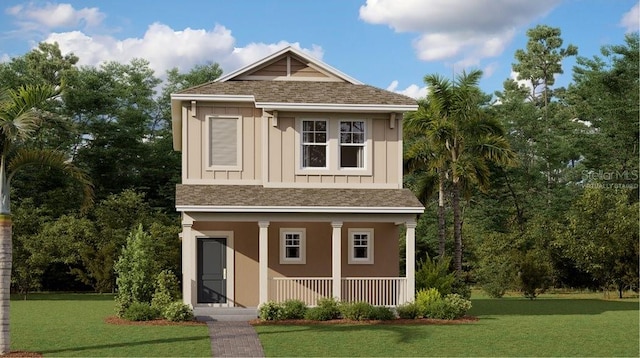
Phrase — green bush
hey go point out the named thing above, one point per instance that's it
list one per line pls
(139, 311)
(293, 309)
(135, 271)
(270, 311)
(461, 287)
(356, 311)
(381, 313)
(408, 310)
(166, 290)
(178, 312)
(331, 306)
(459, 305)
(426, 300)
(319, 314)
(435, 274)
(534, 275)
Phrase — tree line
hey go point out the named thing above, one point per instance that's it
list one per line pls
(540, 183)
(529, 187)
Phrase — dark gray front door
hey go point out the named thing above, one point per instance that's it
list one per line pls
(212, 264)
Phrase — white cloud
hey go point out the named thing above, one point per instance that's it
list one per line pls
(460, 30)
(166, 48)
(413, 91)
(490, 69)
(4, 58)
(631, 19)
(55, 16)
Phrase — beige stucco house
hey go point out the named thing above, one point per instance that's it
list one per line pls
(292, 187)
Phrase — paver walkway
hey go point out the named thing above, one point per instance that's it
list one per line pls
(234, 339)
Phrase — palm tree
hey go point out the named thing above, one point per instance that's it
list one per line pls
(462, 139)
(19, 120)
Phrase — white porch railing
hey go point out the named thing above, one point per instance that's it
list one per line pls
(378, 291)
(305, 289)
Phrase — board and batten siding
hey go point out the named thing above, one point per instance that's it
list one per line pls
(196, 170)
(384, 151)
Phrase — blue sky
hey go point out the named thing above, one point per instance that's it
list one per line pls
(390, 44)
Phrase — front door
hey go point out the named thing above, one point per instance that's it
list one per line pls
(212, 270)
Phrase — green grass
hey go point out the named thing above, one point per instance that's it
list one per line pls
(563, 325)
(73, 325)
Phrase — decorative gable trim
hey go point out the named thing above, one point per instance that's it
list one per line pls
(313, 62)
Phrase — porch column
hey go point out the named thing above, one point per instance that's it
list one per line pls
(189, 260)
(410, 259)
(263, 259)
(336, 259)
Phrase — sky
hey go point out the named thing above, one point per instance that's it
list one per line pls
(390, 44)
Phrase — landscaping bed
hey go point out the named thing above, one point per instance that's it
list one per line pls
(397, 321)
(156, 322)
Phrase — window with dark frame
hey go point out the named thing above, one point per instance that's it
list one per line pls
(352, 142)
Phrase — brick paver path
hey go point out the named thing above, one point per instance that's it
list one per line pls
(234, 339)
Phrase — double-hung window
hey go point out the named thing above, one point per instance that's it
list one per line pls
(292, 246)
(314, 143)
(360, 246)
(352, 141)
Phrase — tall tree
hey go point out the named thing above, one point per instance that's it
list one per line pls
(19, 118)
(462, 140)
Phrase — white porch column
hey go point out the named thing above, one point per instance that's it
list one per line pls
(336, 259)
(189, 260)
(410, 259)
(263, 259)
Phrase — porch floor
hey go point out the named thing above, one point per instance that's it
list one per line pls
(225, 314)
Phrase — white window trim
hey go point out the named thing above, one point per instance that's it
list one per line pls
(358, 261)
(333, 147)
(327, 144)
(207, 144)
(363, 144)
(303, 246)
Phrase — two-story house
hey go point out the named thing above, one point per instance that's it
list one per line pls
(292, 187)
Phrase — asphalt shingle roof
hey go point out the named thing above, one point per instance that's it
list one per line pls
(304, 92)
(259, 196)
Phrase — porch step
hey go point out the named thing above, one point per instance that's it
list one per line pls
(225, 314)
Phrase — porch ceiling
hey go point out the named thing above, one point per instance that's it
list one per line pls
(255, 198)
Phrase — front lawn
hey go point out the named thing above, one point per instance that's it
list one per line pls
(547, 326)
(73, 325)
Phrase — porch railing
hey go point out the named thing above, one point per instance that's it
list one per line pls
(306, 289)
(378, 291)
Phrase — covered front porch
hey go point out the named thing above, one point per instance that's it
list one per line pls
(345, 244)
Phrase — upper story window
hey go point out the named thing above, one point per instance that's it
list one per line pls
(352, 144)
(314, 143)
(224, 142)
(333, 146)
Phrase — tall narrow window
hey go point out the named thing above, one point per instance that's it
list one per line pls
(314, 144)
(352, 144)
(225, 143)
(292, 246)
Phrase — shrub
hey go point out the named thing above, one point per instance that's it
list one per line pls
(435, 274)
(426, 299)
(177, 312)
(319, 314)
(270, 311)
(166, 291)
(139, 311)
(459, 305)
(408, 310)
(381, 313)
(356, 311)
(534, 275)
(135, 271)
(293, 309)
(330, 305)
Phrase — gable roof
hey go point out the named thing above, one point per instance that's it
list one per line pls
(288, 50)
(256, 198)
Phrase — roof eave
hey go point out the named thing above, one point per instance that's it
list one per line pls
(299, 209)
(336, 107)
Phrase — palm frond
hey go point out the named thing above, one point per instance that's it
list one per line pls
(19, 113)
(47, 158)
